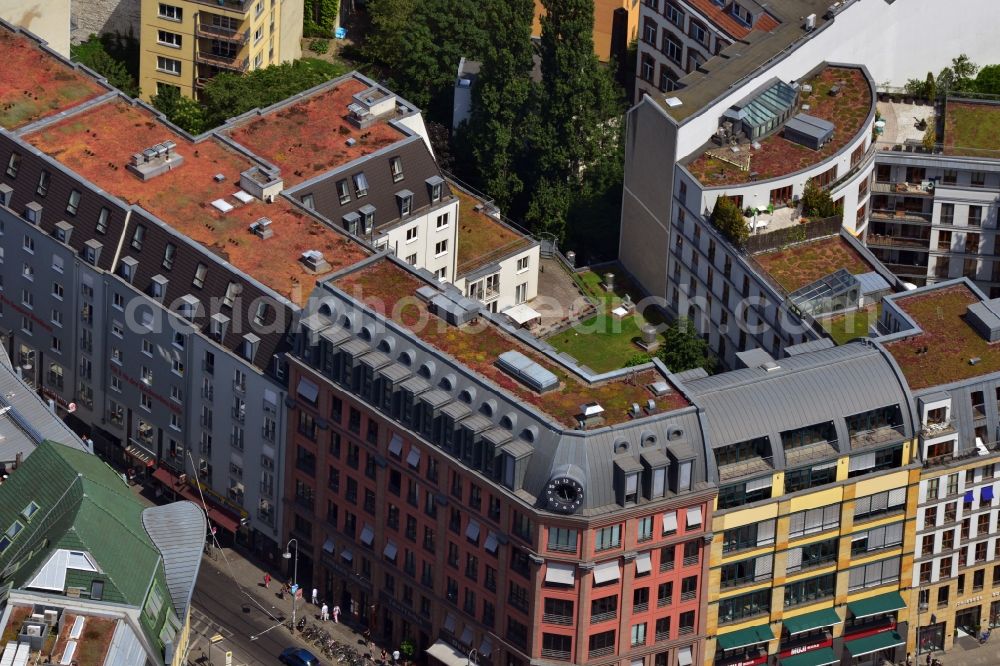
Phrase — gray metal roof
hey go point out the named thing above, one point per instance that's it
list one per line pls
(872, 283)
(806, 389)
(812, 126)
(178, 532)
(126, 648)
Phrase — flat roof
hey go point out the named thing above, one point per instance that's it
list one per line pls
(743, 58)
(311, 135)
(482, 239)
(972, 128)
(35, 84)
(98, 143)
(390, 290)
(948, 339)
(778, 156)
(802, 264)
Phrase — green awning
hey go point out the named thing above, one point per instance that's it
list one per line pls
(869, 644)
(820, 657)
(745, 637)
(821, 618)
(883, 603)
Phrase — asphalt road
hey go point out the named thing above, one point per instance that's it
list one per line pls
(219, 606)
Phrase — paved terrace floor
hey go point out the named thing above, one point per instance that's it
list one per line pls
(901, 121)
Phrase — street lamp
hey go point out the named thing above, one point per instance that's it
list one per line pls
(295, 575)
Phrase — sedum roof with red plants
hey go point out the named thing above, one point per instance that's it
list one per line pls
(391, 291)
(98, 144)
(802, 264)
(54, 86)
(777, 156)
(310, 136)
(482, 238)
(948, 339)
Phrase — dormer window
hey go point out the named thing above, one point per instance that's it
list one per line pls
(14, 165)
(102, 221)
(73, 204)
(249, 346)
(368, 217)
(396, 168)
(199, 276)
(128, 268)
(43, 183)
(405, 199)
(360, 185)
(138, 236)
(232, 291)
(158, 286)
(742, 14)
(168, 256)
(261, 314)
(435, 187)
(343, 191)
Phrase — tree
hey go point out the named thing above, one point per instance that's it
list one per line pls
(988, 80)
(501, 102)
(684, 349)
(181, 111)
(930, 138)
(728, 218)
(320, 18)
(93, 54)
(930, 88)
(817, 202)
(964, 69)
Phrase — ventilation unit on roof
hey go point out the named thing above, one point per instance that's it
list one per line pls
(591, 413)
(262, 228)
(526, 371)
(155, 160)
(770, 366)
(659, 388)
(810, 23)
(369, 105)
(265, 185)
(314, 261)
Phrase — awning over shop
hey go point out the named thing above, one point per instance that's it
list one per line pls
(445, 654)
(521, 314)
(745, 637)
(142, 456)
(216, 516)
(821, 618)
(820, 657)
(874, 643)
(883, 603)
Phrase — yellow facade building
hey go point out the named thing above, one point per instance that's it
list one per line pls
(184, 43)
(613, 19)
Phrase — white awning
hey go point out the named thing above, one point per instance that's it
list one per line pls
(684, 656)
(643, 564)
(390, 550)
(367, 535)
(307, 389)
(486, 647)
(466, 638)
(346, 555)
(670, 521)
(472, 531)
(443, 653)
(560, 573)
(328, 545)
(605, 572)
(491, 544)
(413, 457)
(449, 623)
(759, 484)
(521, 314)
(694, 516)
(396, 445)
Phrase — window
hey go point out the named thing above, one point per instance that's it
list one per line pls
(170, 12)
(521, 293)
(672, 48)
(442, 221)
(405, 204)
(874, 574)
(698, 32)
(748, 536)
(257, 36)
(809, 590)
(168, 65)
(638, 634)
(887, 536)
(137, 237)
(812, 555)
(168, 38)
(933, 486)
(810, 477)
(645, 528)
(73, 204)
(199, 276)
(13, 165)
(975, 216)
(744, 606)
(441, 247)
(607, 537)
(877, 504)
(814, 520)
(562, 539)
(602, 644)
(102, 221)
(343, 191)
(522, 264)
(396, 169)
(646, 67)
(947, 213)
(978, 179)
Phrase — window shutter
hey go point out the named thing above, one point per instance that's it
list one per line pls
(876, 538)
(894, 534)
(856, 578)
(765, 533)
(831, 516)
(863, 506)
(814, 520)
(797, 523)
(762, 567)
(862, 462)
(880, 501)
(890, 568)
(794, 559)
(897, 497)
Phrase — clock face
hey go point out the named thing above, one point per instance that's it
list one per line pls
(564, 494)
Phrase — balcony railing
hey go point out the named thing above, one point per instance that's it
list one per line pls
(559, 655)
(690, 559)
(601, 652)
(209, 31)
(748, 467)
(877, 436)
(898, 241)
(226, 62)
(662, 636)
(668, 565)
(938, 429)
(553, 618)
(664, 601)
(685, 630)
(688, 596)
(900, 215)
(640, 608)
(971, 452)
(603, 617)
(906, 269)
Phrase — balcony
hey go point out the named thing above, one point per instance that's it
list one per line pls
(233, 63)
(903, 188)
(798, 456)
(937, 429)
(664, 601)
(879, 240)
(978, 449)
(603, 617)
(900, 215)
(914, 270)
(209, 31)
(553, 618)
(748, 467)
(689, 595)
(877, 436)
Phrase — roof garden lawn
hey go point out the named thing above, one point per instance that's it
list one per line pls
(605, 342)
(54, 86)
(972, 128)
(383, 286)
(796, 266)
(99, 142)
(92, 648)
(481, 238)
(777, 155)
(310, 136)
(855, 324)
(949, 340)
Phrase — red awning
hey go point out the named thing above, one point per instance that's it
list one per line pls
(140, 455)
(216, 516)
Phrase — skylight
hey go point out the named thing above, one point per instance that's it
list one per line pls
(29, 510)
(14, 529)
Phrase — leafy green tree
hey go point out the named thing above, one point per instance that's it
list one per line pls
(501, 102)
(320, 18)
(684, 349)
(93, 54)
(964, 69)
(728, 218)
(817, 202)
(181, 111)
(988, 80)
(930, 87)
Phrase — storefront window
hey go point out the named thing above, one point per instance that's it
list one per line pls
(932, 638)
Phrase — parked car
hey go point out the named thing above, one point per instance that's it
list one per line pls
(293, 656)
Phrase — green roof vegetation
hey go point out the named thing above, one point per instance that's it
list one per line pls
(972, 128)
(798, 265)
(855, 324)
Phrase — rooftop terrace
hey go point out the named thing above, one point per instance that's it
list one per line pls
(383, 286)
(972, 128)
(482, 238)
(798, 265)
(310, 136)
(34, 84)
(99, 142)
(949, 340)
(777, 156)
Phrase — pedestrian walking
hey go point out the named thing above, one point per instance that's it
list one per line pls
(315, 597)
(336, 614)
(384, 658)
(324, 613)
(267, 581)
